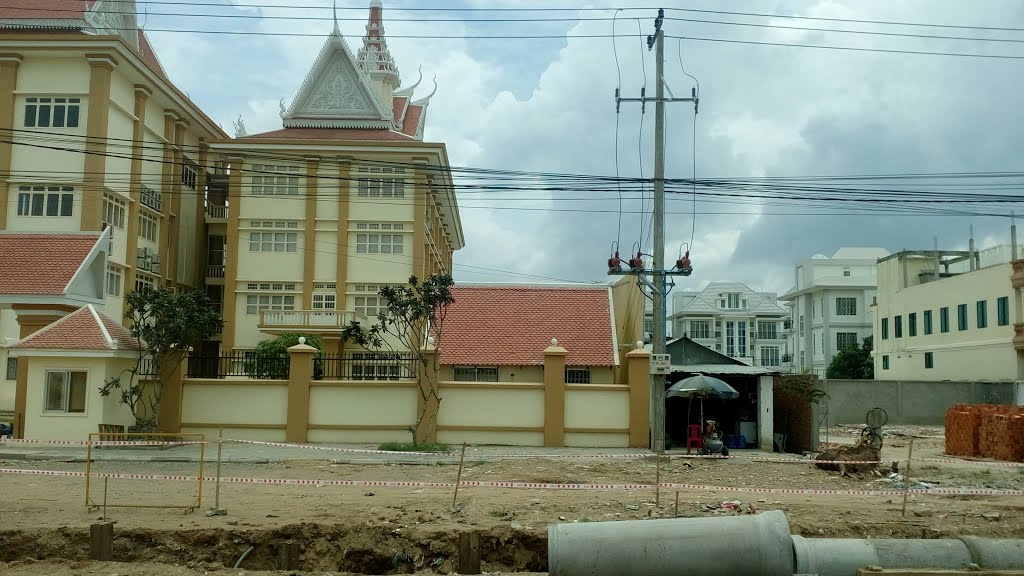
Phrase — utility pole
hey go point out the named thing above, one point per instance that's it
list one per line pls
(660, 362)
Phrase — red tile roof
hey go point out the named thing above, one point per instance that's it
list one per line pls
(83, 329)
(512, 325)
(332, 134)
(41, 264)
(44, 9)
(412, 120)
(149, 55)
(398, 104)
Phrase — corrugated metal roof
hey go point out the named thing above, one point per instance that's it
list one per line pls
(726, 369)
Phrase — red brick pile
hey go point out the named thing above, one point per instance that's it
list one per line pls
(986, 430)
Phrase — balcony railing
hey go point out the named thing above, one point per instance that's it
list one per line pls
(770, 336)
(217, 212)
(332, 319)
(213, 271)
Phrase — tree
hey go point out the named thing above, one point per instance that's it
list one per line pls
(853, 363)
(271, 358)
(412, 313)
(167, 323)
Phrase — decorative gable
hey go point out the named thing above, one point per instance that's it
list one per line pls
(336, 94)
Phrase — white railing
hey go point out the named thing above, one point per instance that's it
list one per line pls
(215, 211)
(306, 318)
(215, 271)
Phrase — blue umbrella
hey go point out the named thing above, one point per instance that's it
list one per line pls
(688, 387)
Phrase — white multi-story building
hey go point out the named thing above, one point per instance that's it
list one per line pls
(830, 306)
(733, 319)
(942, 316)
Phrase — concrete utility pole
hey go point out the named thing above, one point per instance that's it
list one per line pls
(658, 271)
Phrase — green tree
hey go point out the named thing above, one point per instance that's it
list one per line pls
(853, 363)
(167, 323)
(271, 358)
(412, 313)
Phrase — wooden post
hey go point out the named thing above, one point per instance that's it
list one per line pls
(288, 556)
(458, 477)
(657, 480)
(469, 553)
(101, 541)
(677, 504)
(906, 477)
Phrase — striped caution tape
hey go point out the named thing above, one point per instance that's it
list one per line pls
(515, 485)
(979, 462)
(97, 442)
(337, 449)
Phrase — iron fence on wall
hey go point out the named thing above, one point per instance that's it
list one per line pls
(366, 366)
(243, 363)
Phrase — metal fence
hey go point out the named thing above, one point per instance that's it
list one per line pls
(245, 363)
(366, 366)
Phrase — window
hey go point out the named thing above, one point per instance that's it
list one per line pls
(846, 306)
(742, 328)
(271, 180)
(65, 391)
(846, 340)
(1003, 311)
(149, 227)
(767, 330)
(730, 338)
(188, 174)
(982, 309)
(476, 373)
(700, 329)
(40, 200)
(802, 359)
(114, 211)
(577, 375)
(944, 320)
(143, 281)
(732, 301)
(885, 362)
(801, 322)
(273, 241)
(770, 356)
(323, 301)
(897, 327)
(929, 360)
(254, 303)
(369, 305)
(383, 187)
(814, 309)
(927, 322)
(961, 317)
(12, 368)
(151, 198)
(52, 112)
(114, 279)
(846, 272)
(380, 243)
(885, 328)
(912, 324)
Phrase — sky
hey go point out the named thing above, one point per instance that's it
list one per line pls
(547, 105)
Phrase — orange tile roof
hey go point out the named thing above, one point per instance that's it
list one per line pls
(412, 119)
(149, 55)
(398, 104)
(44, 9)
(512, 325)
(83, 329)
(332, 134)
(41, 264)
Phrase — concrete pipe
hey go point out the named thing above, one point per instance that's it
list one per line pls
(757, 545)
(844, 557)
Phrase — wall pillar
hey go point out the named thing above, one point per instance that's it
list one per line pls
(428, 398)
(554, 394)
(131, 227)
(300, 373)
(309, 237)
(9, 64)
(101, 66)
(232, 240)
(171, 383)
(341, 272)
(638, 377)
(766, 413)
(169, 266)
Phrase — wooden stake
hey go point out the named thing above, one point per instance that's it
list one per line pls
(906, 477)
(288, 556)
(104, 515)
(458, 478)
(657, 480)
(101, 541)
(677, 504)
(469, 553)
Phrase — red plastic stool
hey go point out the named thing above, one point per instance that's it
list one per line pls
(695, 438)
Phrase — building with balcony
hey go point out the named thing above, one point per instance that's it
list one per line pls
(830, 306)
(732, 319)
(948, 315)
(306, 223)
(98, 139)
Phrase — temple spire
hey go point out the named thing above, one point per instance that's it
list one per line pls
(337, 29)
(375, 59)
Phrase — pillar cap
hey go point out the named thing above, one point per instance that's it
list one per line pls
(555, 349)
(302, 349)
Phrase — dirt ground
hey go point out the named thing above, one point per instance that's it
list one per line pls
(412, 530)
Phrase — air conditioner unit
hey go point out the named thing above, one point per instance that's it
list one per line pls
(154, 262)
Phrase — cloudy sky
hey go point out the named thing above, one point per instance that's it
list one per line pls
(546, 105)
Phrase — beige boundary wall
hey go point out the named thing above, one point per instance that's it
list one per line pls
(547, 413)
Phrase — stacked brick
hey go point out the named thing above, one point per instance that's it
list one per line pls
(987, 431)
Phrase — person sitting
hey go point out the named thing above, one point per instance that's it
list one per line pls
(6, 430)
